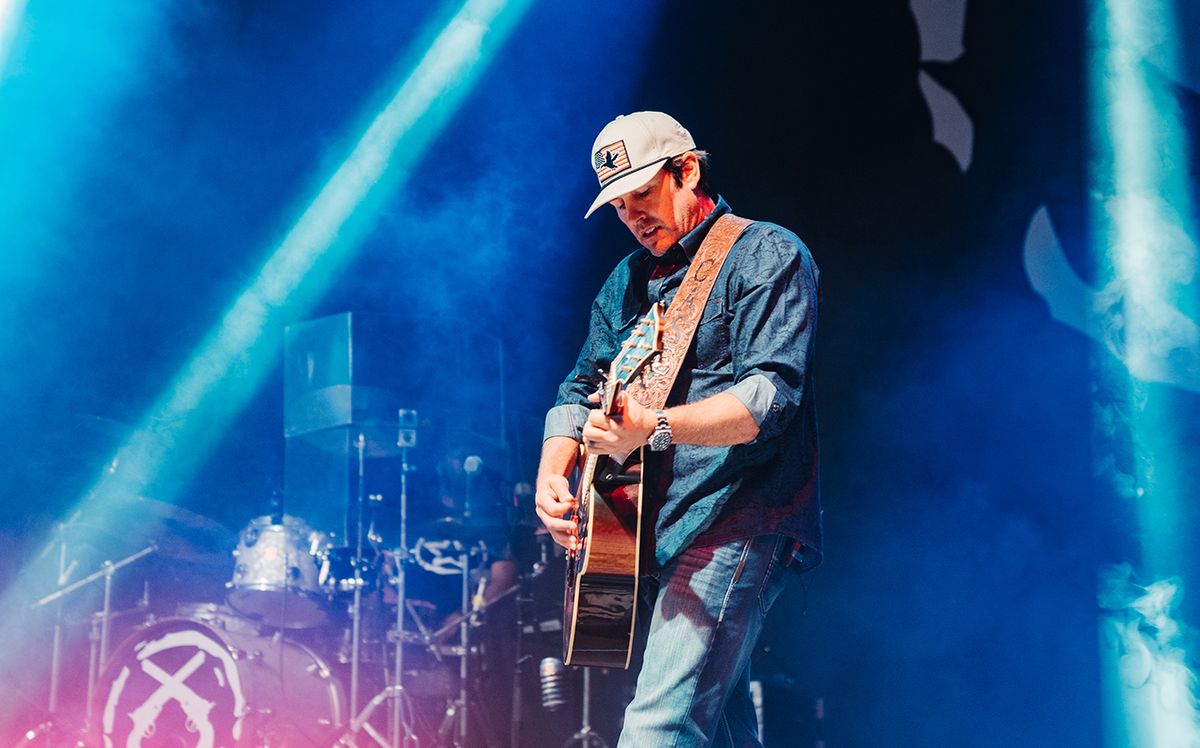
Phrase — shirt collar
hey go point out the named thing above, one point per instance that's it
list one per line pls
(690, 242)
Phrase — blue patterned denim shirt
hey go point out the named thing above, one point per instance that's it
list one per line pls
(755, 341)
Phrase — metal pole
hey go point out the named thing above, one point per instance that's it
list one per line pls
(587, 701)
(356, 611)
(586, 737)
(56, 646)
(400, 733)
(398, 673)
(523, 599)
(464, 635)
(105, 624)
(93, 672)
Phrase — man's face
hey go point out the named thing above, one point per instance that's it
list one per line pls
(660, 212)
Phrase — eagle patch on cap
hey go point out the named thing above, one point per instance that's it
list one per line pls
(610, 161)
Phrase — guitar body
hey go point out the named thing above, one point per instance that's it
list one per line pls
(600, 604)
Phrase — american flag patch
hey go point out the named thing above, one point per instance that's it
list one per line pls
(610, 161)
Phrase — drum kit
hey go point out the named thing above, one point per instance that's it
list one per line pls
(329, 620)
(316, 642)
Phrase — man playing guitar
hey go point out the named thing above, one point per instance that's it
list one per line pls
(730, 498)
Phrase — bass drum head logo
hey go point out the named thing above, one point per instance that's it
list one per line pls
(178, 685)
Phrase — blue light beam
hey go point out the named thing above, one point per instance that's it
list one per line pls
(228, 366)
(10, 20)
(1144, 239)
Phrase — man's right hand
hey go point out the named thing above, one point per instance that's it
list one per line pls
(554, 500)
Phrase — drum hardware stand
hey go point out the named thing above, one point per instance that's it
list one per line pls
(427, 636)
(356, 606)
(64, 573)
(524, 598)
(406, 438)
(98, 656)
(456, 718)
(361, 723)
(524, 592)
(470, 608)
(464, 641)
(401, 731)
(585, 736)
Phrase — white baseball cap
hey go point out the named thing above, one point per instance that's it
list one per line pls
(631, 150)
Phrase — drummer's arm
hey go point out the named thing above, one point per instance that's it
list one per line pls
(502, 577)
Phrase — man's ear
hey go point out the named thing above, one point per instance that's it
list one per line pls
(691, 170)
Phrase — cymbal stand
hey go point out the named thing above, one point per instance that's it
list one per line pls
(524, 601)
(356, 605)
(401, 732)
(400, 722)
(455, 720)
(464, 641)
(93, 668)
(98, 656)
(64, 573)
(585, 736)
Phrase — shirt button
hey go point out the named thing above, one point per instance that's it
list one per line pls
(775, 408)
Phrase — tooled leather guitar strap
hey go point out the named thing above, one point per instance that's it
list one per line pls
(683, 316)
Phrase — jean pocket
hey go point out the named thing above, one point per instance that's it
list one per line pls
(772, 579)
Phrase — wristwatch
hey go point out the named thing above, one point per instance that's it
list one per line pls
(660, 438)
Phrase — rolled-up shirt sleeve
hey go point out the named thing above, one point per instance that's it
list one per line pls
(566, 420)
(757, 393)
(772, 331)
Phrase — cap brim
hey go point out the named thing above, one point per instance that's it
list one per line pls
(628, 183)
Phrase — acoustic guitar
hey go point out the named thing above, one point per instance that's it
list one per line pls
(600, 604)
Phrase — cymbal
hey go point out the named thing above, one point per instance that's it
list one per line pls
(124, 526)
(455, 528)
(180, 518)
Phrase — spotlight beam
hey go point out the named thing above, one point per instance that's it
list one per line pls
(229, 365)
(1144, 237)
(10, 21)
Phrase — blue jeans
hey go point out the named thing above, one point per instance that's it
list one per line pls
(709, 604)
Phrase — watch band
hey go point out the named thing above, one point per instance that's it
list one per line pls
(660, 438)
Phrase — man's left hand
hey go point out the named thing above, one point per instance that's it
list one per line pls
(623, 432)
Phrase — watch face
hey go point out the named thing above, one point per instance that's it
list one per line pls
(660, 440)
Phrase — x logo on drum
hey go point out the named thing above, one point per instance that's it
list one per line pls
(172, 687)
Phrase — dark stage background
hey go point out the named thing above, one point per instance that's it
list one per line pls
(957, 603)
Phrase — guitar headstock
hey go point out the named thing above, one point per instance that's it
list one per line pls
(638, 350)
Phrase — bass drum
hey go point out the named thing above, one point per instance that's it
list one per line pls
(181, 682)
